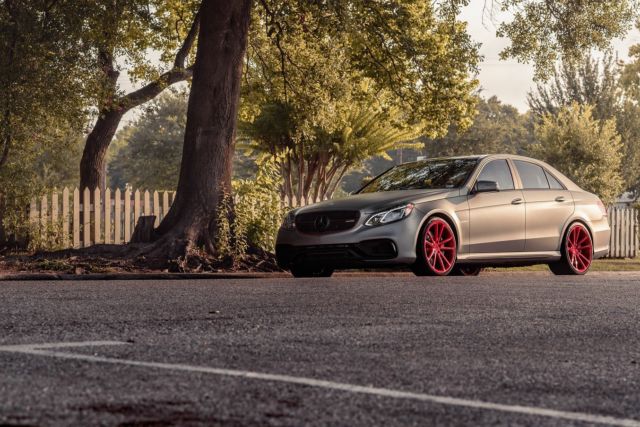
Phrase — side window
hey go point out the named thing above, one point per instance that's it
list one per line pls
(532, 176)
(498, 171)
(553, 182)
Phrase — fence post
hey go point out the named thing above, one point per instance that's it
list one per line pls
(43, 214)
(107, 216)
(156, 208)
(86, 216)
(117, 217)
(54, 209)
(76, 218)
(65, 217)
(147, 205)
(165, 203)
(127, 215)
(136, 207)
(97, 209)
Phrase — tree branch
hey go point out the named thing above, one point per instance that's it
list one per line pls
(187, 44)
(153, 89)
(177, 74)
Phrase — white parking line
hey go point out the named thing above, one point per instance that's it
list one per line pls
(49, 351)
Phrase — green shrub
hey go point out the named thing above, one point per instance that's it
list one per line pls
(257, 212)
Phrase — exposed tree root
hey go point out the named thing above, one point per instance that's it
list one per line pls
(147, 257)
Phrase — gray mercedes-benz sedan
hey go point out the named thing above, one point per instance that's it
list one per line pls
(451, 215)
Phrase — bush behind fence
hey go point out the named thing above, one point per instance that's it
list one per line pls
(71, 219)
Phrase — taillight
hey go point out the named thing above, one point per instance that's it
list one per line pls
(602, 207)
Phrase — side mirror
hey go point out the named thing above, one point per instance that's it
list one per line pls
(486, 186)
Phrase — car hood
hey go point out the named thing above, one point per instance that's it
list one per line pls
(374, 202)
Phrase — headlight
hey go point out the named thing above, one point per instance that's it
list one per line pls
(391, 215)
(289, 221)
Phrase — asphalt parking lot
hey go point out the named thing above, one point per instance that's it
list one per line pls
(518, 349)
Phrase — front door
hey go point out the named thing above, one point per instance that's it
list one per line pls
(497, 219)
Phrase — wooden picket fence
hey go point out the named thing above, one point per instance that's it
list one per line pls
(113, 219)
(82, 223)
(624, 241)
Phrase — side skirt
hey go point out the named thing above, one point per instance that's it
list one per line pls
(501, 258)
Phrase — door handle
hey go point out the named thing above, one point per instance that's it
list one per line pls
(560, 199)
(517, 201)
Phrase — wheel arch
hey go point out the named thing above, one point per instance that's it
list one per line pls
(569, 223)
(454, 224)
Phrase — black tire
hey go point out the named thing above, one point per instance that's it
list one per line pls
(466, 270)
(564, 266)
(422, 267)
(305, 271)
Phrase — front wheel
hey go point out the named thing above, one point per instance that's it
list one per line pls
(304, 271)
(577, 252)
(436, 249)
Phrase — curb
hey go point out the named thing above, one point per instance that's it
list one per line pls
(136, 276)
(275, 275)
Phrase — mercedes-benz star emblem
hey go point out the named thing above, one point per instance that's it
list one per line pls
(321, 223)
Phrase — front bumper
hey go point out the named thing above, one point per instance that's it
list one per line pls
(360, 254)
(361, 246)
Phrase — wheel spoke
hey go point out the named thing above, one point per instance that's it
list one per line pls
(583, 240)
(448, 263)
(436, 261)
(584, 258)
(574, 260)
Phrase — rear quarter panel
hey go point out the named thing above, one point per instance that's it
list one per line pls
(588, 211)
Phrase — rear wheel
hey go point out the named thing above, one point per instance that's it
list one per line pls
(437, 249)
(466, 270)
(305, 271)
(577, 252)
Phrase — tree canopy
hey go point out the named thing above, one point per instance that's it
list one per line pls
(496, 128)
(543, 32)
(586, 150)
(606, 86)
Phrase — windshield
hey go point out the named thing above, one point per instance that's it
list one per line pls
(424, 175)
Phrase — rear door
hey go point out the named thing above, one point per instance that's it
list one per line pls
(548, 205)
(497, 219)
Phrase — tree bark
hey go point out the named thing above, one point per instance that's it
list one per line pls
(93, 163)
(205, 171)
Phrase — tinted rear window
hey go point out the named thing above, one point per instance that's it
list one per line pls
(427, 175)
(532, 176)
(553, 182)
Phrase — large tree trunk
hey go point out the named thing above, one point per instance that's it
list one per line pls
(205, 171)
(93, 163)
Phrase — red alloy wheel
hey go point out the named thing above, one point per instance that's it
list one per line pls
(439, 247)
(579, 248)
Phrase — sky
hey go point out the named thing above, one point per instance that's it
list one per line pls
(508, 80)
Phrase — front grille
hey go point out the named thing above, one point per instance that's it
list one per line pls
(326, 222)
